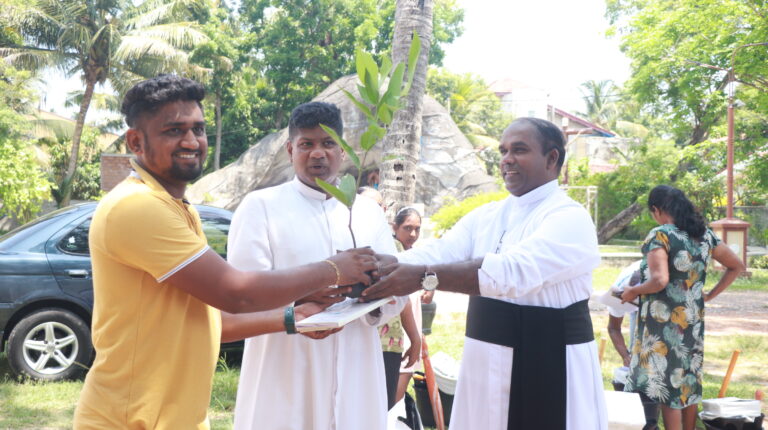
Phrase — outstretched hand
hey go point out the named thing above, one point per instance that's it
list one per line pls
(326, 296)
(353, 265)
(382, 260)
(306, 310)
(395, 280)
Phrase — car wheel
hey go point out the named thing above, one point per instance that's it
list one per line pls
(50, 345)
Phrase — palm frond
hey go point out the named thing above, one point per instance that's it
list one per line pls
(135, 47)
(145, 17)
(155, 12)
(123, 79)
(31, 58)
(55, 128)
(101, 101)
(184, 35)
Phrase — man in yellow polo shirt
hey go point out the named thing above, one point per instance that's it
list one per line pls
(157, 284)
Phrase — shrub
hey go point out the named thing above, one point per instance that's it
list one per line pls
(452, 211)
(758, 262)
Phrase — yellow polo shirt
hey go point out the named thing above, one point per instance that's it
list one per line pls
(156, 346)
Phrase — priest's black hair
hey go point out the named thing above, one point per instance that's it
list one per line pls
(551, 137)
(312, 114)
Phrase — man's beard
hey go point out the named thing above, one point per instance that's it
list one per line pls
(185, 173)
(176, 171)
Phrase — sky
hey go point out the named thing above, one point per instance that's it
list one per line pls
(554, 45)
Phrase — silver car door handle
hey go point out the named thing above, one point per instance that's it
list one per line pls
(77, 273)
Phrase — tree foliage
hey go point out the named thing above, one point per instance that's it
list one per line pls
(300, 46)
(474, 108)
(107, 40)
(672, 43)
(681, 52)
(23, 186)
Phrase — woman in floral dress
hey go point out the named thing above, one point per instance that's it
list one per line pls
(668, 352)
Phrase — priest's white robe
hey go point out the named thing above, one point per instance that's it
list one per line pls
(538, 249)
(292, 382)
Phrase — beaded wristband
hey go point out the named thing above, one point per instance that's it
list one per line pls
(289, 321)
(335, 269)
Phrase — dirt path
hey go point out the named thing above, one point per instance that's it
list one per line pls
(732, 312)
(742, 312)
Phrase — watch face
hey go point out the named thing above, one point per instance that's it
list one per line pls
(429, 282)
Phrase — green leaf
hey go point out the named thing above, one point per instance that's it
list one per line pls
(384, 114)
(348, 186)
(368, 140)
(371, 88)
(396, 81)
(369, 64)
(413, 57)
(365, 109)
(379, 132)
(360, 64)
(364, 94)
(335, 192)
(344, 145)
(386, 67)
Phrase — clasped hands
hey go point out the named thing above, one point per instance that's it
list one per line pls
(382, 272)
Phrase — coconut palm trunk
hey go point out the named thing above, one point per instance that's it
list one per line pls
(69, 176)
(402, 141)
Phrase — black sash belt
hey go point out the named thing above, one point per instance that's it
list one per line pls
(537, 398)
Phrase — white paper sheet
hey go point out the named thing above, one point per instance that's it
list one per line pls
(339, 314)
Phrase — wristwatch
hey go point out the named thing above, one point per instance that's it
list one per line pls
(429, 280)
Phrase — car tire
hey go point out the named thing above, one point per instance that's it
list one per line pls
(50, 345)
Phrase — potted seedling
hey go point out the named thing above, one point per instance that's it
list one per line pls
(379, 108)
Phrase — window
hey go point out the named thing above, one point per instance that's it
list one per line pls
(216, 230)
(76, 241)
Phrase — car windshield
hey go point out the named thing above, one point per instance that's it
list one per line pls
(5, 240)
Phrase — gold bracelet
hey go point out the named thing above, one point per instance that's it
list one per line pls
(335, 269)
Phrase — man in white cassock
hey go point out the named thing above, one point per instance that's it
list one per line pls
(321, 380)
(527, 262)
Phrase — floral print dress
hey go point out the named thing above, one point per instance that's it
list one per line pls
(668, 352)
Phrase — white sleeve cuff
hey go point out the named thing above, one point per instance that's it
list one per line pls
(492, 263)
(183, 264)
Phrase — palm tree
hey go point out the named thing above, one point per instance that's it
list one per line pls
(402, 141)
(103, 40)
(600, 109)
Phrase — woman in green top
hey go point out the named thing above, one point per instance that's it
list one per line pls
(668, 351)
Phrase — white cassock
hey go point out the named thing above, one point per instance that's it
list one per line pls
(292, 382)
(538, 249)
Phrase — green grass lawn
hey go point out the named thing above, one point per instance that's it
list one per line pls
(607, 249)
(28, 405)
(604, 276)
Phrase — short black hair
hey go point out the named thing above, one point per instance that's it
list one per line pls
(149, 95)
(312, 114)
(551, 137)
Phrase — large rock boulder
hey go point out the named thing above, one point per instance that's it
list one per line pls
(448, 165)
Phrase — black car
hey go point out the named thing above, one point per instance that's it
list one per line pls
(46, 290)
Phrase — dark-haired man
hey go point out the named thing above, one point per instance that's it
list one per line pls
(334, 380)
(527, 263)
(157, 284)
